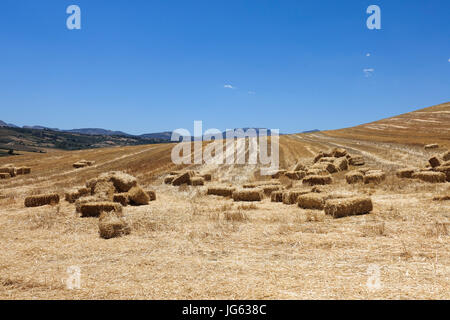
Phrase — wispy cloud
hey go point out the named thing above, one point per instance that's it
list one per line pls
(367, 54)
(368, 72)
(229, 86)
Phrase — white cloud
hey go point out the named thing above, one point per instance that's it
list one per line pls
(368, 72)
(228, 86)
(448, 59)
(368, 55)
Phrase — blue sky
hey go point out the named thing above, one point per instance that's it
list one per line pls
(148, 66)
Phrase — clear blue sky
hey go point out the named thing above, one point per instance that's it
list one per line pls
(148, 66)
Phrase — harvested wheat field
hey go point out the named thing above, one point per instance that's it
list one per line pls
(194, 241)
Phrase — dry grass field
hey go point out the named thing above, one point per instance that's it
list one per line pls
(190, 245)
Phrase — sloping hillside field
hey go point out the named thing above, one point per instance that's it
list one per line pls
(362, 212)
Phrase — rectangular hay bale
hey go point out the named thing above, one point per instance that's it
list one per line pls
(94, 209)
(248, 195)
(348, 206)
(41, 200)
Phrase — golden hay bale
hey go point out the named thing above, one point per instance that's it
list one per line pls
(278, 174)
(311, 201)
(348, 206)
(248, 195)
(121, 198)
(111, 225)
(41, 200)
(10, 170)
(276, 196)
(435, 161)
(138, 196)
(430, 176)
(405, 173)
(71, 195)
(341, 164)
(339, 152)
(235, 216)
(94, 209)
(295, 175)
(82, 200)
(104, 188)
(23, 170)
(325, 166)
(317, 180)
(5, 175)
(197, 181)
(221, 191)
(431, 146)
(78, 165)
(207, 176)
(122, 181)
(327, 159)
(374, 176)
(169, 179)
(356, 161)
(269, 189)
(291, 196)
(181, 179)
(354, 177)
(445, 169)
(446, 156)
(151, 194)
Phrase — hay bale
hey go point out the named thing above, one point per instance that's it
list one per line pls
(94, 209)
(121, 198)
(82, 200)
(356, 161)
(278, 174)
(311, 201)
(405, 173)
(291, 196)
(325, 166)
(257, 184)
(268, 190)
(221, 191)
(71, 195)
(430, 176)
(446, 170)
(138, 196)
(348, 206)
(111, 225)
(122, 181)
(341, 164)
(248, 195)
(276, 196)
(317, 180)
(374, 176)
(169, 179)
(295, 175)
(197, 181)
(339, 152)
(446, 156)
(327, 159)
(10, 170)
(104, 188)
(41, 200)
(5, 175)
(435, 161)
(183, 178)
(207, 176)
(318, 156)
(431, 146)
(78, 165)
(23, 170)
(354, 177)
